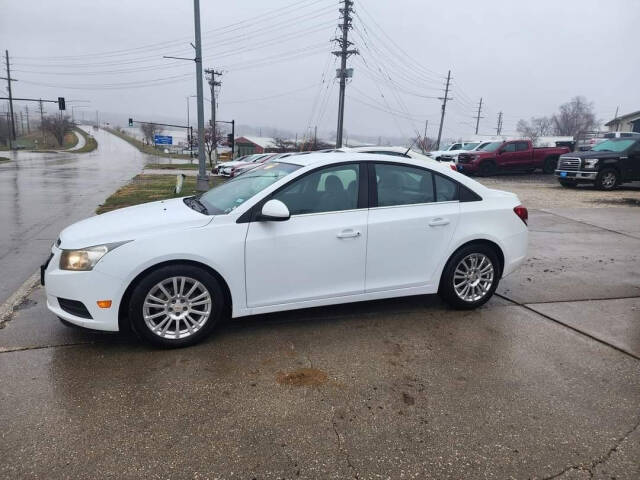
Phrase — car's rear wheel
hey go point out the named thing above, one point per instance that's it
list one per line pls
(607, 179)
(176, 305)
(470, 277)
(550, 165)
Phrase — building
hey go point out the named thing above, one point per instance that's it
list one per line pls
(625, 123)
(251, 145)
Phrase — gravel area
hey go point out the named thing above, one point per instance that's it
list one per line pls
(544, 191)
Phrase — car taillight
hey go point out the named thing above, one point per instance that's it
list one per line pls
(453, 167)
(522, 212)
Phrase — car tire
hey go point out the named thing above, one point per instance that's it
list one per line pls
(550, 165)
(482, 280)
(188, 299)
(607, 179)
(487, 168)
(568, 183)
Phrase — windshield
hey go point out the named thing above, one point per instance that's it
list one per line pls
(470, 146)
(490, 147)
(230, 195)
(613, 146)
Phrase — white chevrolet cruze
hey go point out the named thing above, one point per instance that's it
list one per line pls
(307, 231)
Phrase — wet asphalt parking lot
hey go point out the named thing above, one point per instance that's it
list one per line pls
(542, 382)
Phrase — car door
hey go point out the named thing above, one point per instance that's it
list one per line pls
(523, 156)
(633, 162)
(413, 217)
(320, 251)
(506, 155)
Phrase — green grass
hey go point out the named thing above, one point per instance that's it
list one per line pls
(4, 159)
(90, 143)
(149, 188)
(172, 166)
(150, 149)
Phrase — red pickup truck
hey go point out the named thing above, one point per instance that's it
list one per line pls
(511, 155)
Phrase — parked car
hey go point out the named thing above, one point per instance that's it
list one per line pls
(313, 230)
(238, 169)
(218, 168)
(452, 155)
(228, 167)
(607, 165)
(448, 151)
(511, 155)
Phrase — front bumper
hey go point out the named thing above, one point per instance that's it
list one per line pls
(575, 175)
(466, 167)
(86, 287)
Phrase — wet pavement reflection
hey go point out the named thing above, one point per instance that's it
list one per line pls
(41, 193)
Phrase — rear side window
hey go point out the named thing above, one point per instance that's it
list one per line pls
(446, 190)
(403, 185)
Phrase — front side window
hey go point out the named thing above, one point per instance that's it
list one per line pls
(470, 146)
(403, 185)
(329, 189)
(509, 147)
(491, 147)
(456, 146)
(230, 195)
(522, 146)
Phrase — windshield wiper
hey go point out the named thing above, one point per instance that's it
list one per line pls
(195, 204)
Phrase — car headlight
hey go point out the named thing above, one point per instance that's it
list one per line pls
(85, 259)
(590, 162)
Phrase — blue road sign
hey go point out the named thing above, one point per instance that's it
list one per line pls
(163, 139)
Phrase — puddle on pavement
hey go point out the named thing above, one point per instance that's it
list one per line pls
(303, 377)
(625, 201)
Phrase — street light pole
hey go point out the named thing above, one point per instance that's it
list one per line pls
(202, 183)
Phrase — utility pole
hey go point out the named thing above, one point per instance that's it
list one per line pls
(424, 138)
(9, 80)
(26, 107)
(344, 53)
(616, 118)
(499, 128)
(478, 117)
(444, 108)
(213, 83)
(202, 183)
(42, 122)
(315, 137)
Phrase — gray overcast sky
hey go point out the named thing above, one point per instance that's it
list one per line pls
(523, 57)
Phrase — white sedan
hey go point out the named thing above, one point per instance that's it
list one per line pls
(303, 231)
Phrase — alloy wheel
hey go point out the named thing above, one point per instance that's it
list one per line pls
(177, 307)
(609, 180)
(473, 277)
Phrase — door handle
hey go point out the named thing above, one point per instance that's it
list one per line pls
(439, 222)
(348, 234)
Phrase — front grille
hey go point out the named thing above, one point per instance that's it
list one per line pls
(74, 307)
(464, 158)
(569, 163)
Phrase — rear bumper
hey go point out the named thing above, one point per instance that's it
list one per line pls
(575, 175)
(515, 251)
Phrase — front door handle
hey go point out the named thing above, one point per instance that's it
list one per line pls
(439, 222)
(350, 233)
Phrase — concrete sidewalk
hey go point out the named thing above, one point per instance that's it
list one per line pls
(542, 382)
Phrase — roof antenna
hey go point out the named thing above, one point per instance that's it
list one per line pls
(414, 141)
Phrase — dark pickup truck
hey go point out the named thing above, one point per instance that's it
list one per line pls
(607, 165)
(511, 155)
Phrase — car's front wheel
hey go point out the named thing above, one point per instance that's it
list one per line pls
(607, 179)
(176, 305)
(470, 277)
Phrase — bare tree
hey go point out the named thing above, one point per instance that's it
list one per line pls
(535, 128)
(4, 130)
(424, 144)
(575, 117)
(284, 145)
(149, 131)
(211, 140)
(58, 126)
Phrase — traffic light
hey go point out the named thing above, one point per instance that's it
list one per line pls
(61, 104)
(230, 139)
(131, 122)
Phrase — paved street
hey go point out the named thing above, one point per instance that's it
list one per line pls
(542, 382)
(42, 193)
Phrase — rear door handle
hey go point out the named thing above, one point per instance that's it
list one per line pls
(350, 233)
(439, 222)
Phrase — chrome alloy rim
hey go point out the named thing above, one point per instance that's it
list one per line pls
(609, 180)
(177, 307)
(473, 277)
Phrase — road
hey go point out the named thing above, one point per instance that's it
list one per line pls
(40, 194)
(541, 382)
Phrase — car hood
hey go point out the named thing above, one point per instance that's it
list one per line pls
(132, 223)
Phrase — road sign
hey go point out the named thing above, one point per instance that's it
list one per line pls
(163, 139)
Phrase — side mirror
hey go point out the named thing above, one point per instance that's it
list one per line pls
(275, 211)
